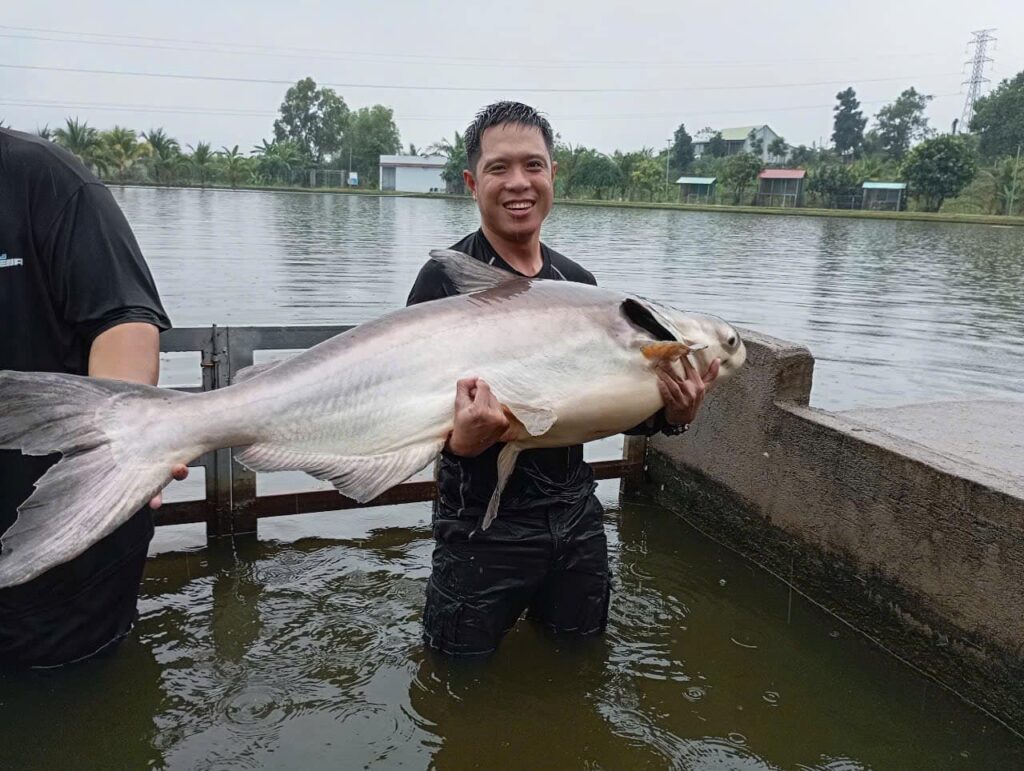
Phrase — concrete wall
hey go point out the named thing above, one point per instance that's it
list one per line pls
(921, 550)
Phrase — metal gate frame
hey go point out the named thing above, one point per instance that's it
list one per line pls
(231, 506)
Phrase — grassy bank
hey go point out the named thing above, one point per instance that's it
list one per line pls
(913, 216)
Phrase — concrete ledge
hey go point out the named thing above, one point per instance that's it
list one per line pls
(918, 547)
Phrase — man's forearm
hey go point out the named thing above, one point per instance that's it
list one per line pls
(129, 352)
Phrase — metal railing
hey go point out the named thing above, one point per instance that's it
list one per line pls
(231, 505)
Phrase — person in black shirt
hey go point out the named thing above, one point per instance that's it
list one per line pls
(76, 296)
(546, 552)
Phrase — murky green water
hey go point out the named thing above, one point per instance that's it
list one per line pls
(306, 654)
(302, 650)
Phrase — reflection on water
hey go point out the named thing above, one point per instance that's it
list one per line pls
(306, 654)
(894, 312)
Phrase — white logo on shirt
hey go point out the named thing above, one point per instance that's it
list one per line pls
(10, 262)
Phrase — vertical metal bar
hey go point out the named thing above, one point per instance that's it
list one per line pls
(634, 450)
(243, 481)
(208, 362)
(219, 522)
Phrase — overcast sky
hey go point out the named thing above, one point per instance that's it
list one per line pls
(618, 75)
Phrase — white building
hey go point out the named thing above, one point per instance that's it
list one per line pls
(412, 173)
(737, 140)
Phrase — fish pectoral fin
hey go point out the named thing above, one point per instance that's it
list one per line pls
(535, 420)
(469, 274)
(506, 462)
(360, 477)
(666, 351)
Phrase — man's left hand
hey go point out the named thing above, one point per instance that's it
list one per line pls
(683, 395)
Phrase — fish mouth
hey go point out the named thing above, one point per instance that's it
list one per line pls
(519, 207)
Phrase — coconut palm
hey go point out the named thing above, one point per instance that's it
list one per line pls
(120, 150)
(202, 161)
(274, 161)
(455, 152)
(79, 138)
(234, 165)
(166, 155)
(45, 133)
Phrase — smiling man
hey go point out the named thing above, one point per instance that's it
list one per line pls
(546, 553)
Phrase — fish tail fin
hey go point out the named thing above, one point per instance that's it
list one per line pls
(111, 463)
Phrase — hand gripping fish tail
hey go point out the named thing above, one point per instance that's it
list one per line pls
(106, 469)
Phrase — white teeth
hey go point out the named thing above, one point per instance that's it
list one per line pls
(518, 205)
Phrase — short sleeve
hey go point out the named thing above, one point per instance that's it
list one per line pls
(98, 276)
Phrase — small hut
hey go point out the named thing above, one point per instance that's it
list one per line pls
(781, 187)
(696, 189)
(884, 196)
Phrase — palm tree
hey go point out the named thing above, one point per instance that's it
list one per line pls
(275, 160)
(202, 160)
(45, 133)
(79, 138)
(234, 165)
(121, 149)
(166, 156)
(455, 152)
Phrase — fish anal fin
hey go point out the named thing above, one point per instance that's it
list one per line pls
(360, 477)
(506, 462)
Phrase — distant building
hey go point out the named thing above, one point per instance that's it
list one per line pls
(696, 189)
(884, 196)
(781, 187)
(412, 173)
(737, 140)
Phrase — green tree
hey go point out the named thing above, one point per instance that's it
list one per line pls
(902, 123)
(848, 124)
(834, 182)
(756, 143)
(597, 172)
(999, 118)
(315, 119)
(45, 133)
(682, 149)
(647, 175)
(166, 155)
(233, 165)
(738, 172)
(778, 148)
(202, 161)
(273, 161)
(1005, 185)
(458, 161)
(79, 138)
(938, 169)
(120, 149)
(716, 146)
(372, 133)
(873, 168)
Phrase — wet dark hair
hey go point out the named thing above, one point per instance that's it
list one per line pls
(498, 114)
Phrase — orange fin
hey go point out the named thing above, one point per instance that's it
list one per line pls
(665, 351)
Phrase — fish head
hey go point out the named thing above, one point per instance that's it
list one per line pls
(709, 338)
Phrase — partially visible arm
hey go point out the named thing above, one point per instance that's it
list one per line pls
(131, 352)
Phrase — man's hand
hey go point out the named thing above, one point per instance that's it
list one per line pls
(480, 420)
(683, 395)
(179, 472)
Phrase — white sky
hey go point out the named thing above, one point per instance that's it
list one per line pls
(640, 68)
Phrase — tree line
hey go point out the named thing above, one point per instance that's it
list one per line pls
(317, 138)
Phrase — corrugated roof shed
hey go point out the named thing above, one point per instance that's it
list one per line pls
(421, 161)
(695, 180)
(782, 174)
(885, 185)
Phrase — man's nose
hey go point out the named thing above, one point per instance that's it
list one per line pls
(516, 179)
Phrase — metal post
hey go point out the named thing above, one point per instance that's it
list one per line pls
(243, 481)
(634, 451)
(219, 521)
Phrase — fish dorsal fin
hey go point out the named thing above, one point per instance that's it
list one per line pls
(470, 275)
(649, 319)
(246, 373)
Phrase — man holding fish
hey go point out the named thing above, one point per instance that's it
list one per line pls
(546, 552)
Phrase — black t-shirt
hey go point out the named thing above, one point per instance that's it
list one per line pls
(70, 269)
(542, 477)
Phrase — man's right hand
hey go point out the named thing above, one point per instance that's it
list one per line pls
(480, 420)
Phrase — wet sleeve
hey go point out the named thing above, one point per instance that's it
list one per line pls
(98, 276)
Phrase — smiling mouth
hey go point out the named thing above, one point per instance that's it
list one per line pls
(518, 205)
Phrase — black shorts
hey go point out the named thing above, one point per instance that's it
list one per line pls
(552, 564)
(80, 607)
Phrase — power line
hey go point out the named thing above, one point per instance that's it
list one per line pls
(376, 56)
(241, 112)
(980, 41)
(475, 89)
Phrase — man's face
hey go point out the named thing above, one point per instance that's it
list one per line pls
(513, 181)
